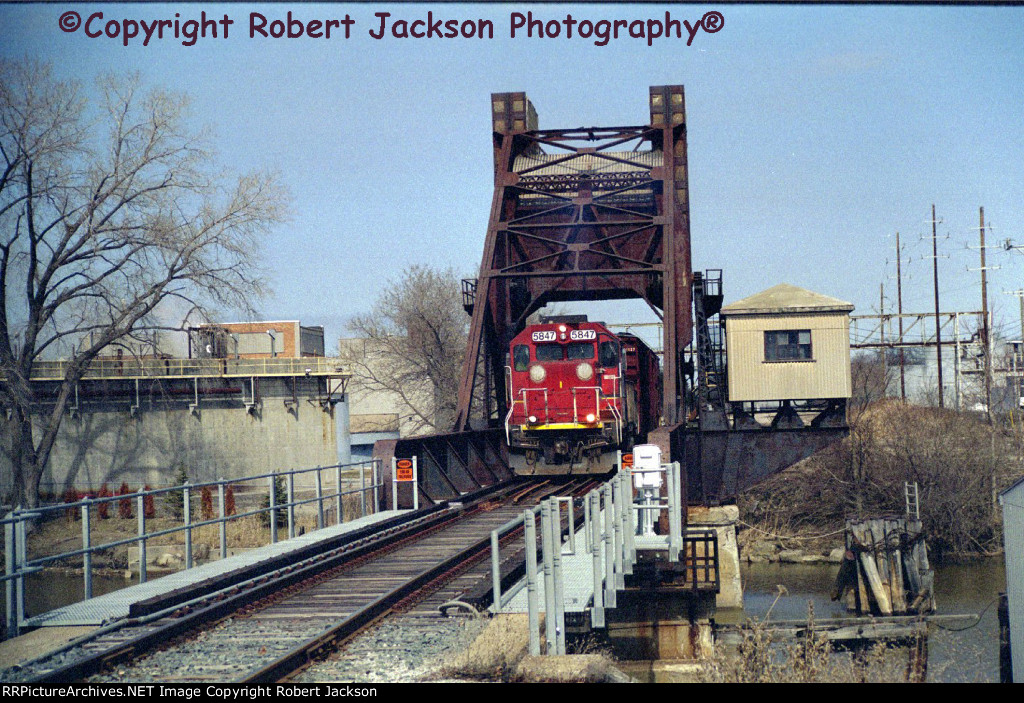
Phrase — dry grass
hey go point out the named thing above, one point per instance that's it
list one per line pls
(245, 532)
(496, 652)
(758, 659)
(501, 653)
(573, 668)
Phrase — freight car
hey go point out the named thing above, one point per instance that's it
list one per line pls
(577, 393)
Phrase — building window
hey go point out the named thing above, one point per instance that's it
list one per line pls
(787, 345)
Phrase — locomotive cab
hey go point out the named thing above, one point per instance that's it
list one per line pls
(573, 396)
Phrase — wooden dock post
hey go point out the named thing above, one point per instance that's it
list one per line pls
(888, 571)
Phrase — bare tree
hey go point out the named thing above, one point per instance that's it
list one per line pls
(412, 345)
(113, 220)
(955, 459)
(870, 379)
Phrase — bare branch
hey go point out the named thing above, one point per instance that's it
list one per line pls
(106, 216)
(412, 347)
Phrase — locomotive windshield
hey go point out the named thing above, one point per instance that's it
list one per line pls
(609, 354)
(549, 352)
(521, 357)
(581, 350)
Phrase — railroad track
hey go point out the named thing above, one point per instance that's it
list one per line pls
(271, 629)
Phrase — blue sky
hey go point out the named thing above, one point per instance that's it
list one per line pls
(815, 134)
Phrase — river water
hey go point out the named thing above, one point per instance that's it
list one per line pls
(970, 654)
(54, 589)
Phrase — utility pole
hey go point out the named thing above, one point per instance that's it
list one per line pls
(938, 324)
(984, 317)
(987, 350)
(1018, 351)
(1018, 378)
(881, 326)
(986, 329)
(956, 362)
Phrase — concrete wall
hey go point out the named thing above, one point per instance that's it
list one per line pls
(105, 444)
(723, 521)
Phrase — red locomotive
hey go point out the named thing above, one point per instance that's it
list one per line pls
(577, 393)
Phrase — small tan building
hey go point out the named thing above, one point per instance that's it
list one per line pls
(787, 343)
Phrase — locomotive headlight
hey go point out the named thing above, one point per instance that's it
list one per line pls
(584, 371)
(533, 419)
(590, 417)
(537, 373)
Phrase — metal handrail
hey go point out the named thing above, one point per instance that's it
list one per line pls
(609, 529)
(508, 420)
(18, 566)
(597, 401)
(131, 368)
(501, 599)
(599, 395)
(526, 405)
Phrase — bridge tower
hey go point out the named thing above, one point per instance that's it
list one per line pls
(593, 213)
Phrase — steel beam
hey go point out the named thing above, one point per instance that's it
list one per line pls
(450, 464)
(579, 215)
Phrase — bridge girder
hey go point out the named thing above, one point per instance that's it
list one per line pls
(599, 213)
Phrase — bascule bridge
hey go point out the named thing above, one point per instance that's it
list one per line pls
(603, 213)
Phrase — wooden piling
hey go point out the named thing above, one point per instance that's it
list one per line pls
(889, 562)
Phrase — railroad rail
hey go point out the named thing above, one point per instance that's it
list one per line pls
(268, 626)
(413, 572)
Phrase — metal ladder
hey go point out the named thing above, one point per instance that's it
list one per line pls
(707, 297)
(911, 499)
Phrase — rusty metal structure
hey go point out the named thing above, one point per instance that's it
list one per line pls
(603, 213)
(596, 213)
(450, 464)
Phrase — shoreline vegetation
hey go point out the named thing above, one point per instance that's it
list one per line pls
(959, 462)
